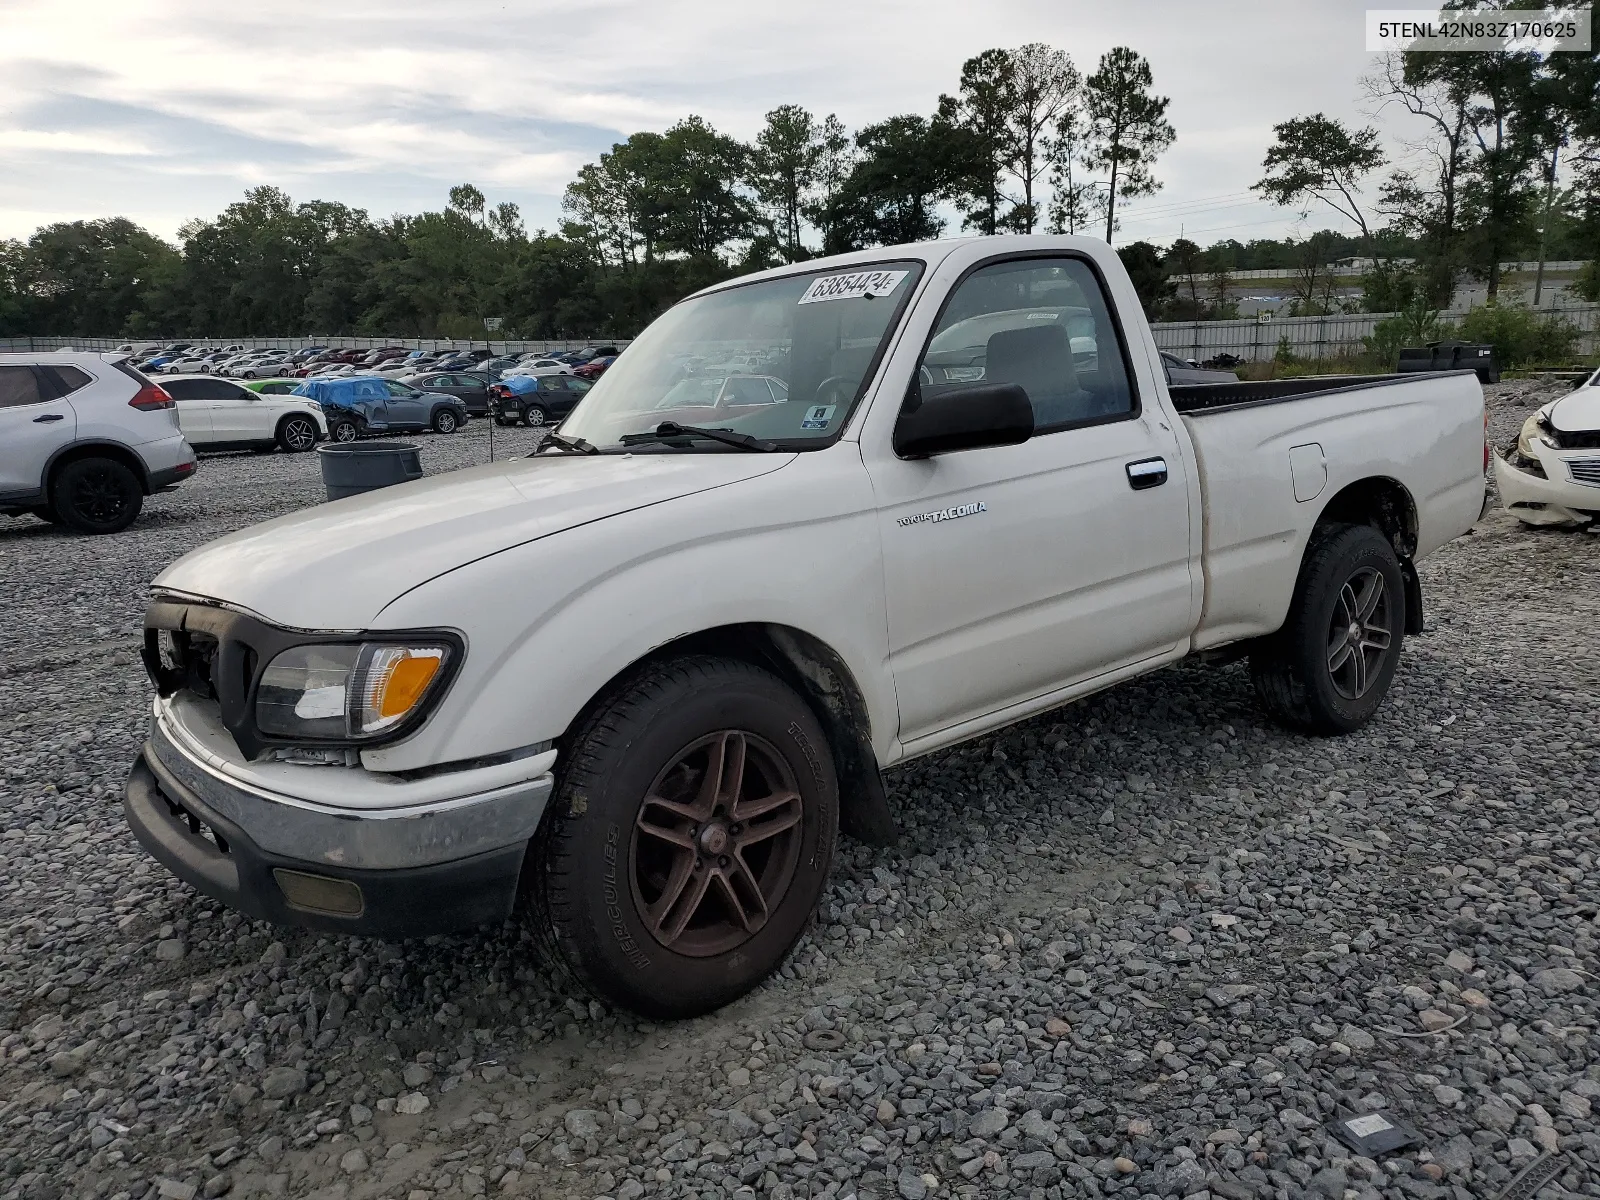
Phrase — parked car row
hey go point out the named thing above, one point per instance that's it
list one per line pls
(237, 361)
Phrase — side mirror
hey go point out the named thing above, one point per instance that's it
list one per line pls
(965, 418)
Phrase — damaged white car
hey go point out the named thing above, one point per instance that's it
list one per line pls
(1552, 475)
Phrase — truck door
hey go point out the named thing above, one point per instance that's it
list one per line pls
(1015, 571)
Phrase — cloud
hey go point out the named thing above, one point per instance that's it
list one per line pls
(171, 108)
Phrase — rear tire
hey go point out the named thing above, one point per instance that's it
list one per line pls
(45, 513)
(296, 435)
(653, 923)
(1329, 668)
(535, 416)
(96, 495)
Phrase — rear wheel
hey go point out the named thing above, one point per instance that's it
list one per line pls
(96, 495)
(343, 431)
(445, 421)
(535, 415)
(689, 838)
(297, 434)
(1330, 666)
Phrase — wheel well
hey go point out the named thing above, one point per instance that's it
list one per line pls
(820, 676)
(1384, 504)
(109, 450)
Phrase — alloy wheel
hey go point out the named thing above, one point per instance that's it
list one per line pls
(99, 497)
(716, 843)
(1359, 633)
(300, 435)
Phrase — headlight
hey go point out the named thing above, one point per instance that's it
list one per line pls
(1531, 432)
(355, 692)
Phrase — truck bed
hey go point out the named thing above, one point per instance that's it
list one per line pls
(1268, 469)
(1199, 399)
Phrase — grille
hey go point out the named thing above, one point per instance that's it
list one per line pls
(1585, 470)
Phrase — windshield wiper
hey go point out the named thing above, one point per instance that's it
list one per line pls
(572, 445)
(669, 431)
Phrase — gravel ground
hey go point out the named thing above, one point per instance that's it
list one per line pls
(1146, 945)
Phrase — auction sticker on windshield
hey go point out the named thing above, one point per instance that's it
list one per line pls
(858, 283)
(818, 417)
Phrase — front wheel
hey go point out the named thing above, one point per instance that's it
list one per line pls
(296, 435)
(689, 838)
(343, 431)
(1330, 666)
(445, 421)
(96, 495)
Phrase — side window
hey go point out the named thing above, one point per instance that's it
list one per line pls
(232, 391)
(185, 389)
(1040, 323)
(18, 386)
(398, 389)
(67, 379)
(577, 385)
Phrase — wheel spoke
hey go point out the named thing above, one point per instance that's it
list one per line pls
(750, 810)
(677, 880)
(770, 828)
(686, 903)
(1339, 653)
(666, 833)
(1375, 637)
(1358, 660)
(1370, 598)
(1347, 602)
(750, 911)
(724, 773)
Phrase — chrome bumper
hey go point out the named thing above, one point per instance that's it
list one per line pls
(357, 839)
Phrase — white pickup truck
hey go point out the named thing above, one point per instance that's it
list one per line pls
(813, 523)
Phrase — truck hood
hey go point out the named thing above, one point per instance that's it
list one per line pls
(336, 566)
(1577, 413)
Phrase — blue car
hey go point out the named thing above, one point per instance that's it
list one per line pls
(358, 405)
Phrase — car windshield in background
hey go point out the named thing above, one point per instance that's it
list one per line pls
(784, 360)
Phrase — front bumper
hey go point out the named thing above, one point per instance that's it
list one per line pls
(1554, 499)
(401, 872)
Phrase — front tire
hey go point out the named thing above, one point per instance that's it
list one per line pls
(96, 495)
(1329, 668)
(445, 421)
(689, 838)
(296, 435)
(343, 431)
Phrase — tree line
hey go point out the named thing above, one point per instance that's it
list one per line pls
(1026, 142)
(1506, 166)
(1481, 184)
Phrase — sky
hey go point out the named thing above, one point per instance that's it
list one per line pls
(167, 110)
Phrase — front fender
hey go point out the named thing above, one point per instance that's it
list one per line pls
(550, 623)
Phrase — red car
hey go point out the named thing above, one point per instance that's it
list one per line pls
(594, 368)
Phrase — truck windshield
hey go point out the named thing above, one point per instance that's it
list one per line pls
(784, 360)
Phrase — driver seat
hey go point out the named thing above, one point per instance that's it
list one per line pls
(1039, 360)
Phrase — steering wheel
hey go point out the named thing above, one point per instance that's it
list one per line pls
(837, 390)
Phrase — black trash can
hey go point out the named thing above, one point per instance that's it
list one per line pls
(350, 468)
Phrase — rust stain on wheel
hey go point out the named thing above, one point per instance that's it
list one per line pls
(715, 844)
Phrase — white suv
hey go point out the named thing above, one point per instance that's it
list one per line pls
(218, 414)
(84, 438)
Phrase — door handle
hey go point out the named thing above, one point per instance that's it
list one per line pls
(1147, 473)
(49, 417)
